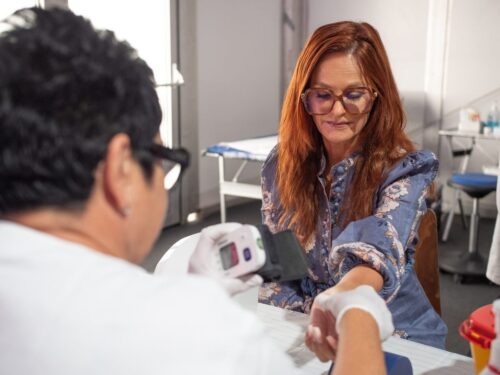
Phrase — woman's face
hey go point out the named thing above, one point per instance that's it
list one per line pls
(339, 129)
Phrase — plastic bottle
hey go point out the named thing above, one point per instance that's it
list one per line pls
(493, 118)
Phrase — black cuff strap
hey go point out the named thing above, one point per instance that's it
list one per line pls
(285, 258)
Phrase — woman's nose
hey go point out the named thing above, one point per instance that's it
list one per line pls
(338, 108)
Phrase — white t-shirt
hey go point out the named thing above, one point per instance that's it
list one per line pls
(493, 269)
(66, 309)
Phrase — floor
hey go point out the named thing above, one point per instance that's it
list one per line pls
(457, 300)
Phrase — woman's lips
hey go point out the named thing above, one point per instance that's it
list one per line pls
(338, 124)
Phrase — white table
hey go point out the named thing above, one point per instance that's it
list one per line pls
(287, 328)
(462, 134)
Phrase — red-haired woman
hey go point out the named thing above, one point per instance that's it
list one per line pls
(349, 182)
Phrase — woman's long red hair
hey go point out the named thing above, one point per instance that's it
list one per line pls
(383, 141)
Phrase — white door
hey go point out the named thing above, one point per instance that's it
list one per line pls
(7, 7)
(146, 25)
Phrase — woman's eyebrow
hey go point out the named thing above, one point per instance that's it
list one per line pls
(350, 85)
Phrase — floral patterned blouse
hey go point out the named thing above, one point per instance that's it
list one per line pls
(384, 241)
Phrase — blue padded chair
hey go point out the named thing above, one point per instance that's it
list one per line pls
(469, 263)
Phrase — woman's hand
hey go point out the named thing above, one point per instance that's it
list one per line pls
(321, 336)
(327, 311)
(363, 297)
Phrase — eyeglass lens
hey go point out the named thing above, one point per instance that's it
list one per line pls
(320, 101)
(172, 173)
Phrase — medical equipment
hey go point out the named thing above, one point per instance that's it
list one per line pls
(254, 249)
(241, 252)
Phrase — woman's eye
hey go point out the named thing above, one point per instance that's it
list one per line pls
(322, 95)
(353, 95)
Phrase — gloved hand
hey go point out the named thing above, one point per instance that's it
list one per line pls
(202, 260)
(363, 297)
(493, 366)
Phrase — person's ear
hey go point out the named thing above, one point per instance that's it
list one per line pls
(118, 174)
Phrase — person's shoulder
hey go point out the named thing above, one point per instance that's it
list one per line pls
(269, 169)
(420, 162)
(422, 159)
(179, 294)
(131, 282)
(271, 162)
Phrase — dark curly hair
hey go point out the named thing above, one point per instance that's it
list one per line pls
(65, 90)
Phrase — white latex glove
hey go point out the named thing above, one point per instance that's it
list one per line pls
(202, 260)
(363, 297)
(494, 362)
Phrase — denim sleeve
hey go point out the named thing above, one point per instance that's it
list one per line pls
(287, 295)
(382, 241)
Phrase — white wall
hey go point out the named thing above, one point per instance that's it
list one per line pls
(474, 51)
(238, 78)
(402, 25)
(472, 79)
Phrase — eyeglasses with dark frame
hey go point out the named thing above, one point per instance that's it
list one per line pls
(173, 161)
(355, 100)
